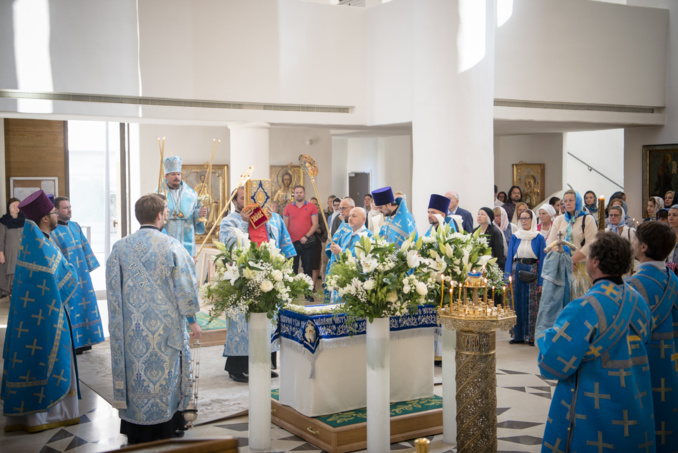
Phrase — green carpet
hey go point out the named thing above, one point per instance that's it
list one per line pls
(360, 415)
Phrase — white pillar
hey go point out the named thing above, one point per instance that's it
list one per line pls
(452, 126)
(249, 146)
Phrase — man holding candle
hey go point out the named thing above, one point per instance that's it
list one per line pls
(597, 349)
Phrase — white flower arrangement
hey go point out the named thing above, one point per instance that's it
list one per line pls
(382, 279)
(252, 279)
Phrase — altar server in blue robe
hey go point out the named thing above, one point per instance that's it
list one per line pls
(279, 230)
(184, 207)
(39, 381)
(152, 294)
(85, 317)
(348, 236)
(438, 206)
(597, 350)
(234, 230)
(659, 287)
(398, 222)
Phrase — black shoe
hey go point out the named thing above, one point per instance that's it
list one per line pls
(517, 342)
(310, 299)
(239, 377)
(274, 374)
(531, 343)
(178, 433)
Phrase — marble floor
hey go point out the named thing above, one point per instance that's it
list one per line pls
(523, 399)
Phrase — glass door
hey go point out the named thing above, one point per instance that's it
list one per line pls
(94, 186)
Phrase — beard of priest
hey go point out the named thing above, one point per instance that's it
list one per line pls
(432, 219)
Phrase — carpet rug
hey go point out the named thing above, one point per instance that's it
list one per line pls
(347, 418)
(219, 397)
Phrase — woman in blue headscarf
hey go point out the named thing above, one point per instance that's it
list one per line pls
(579, 228)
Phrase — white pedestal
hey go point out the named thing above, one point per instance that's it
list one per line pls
(378, 386)
(259, 382)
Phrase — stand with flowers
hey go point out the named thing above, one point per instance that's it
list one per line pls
(381, 280)
(255, 282)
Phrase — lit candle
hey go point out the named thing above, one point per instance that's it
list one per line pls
(485, 293)
(442, 291)
(493, 293)
(512, 300)
(451, 295)
(601, 213)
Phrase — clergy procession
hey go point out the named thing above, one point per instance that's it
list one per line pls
(601, 309)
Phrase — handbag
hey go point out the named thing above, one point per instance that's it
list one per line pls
(310, 242)
(527, 276)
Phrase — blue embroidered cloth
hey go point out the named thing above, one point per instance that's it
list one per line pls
(183, 222)
(397, 228)
(38, 346)
(309, 330)
(83, 309)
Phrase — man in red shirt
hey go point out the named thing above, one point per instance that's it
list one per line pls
(301, 220)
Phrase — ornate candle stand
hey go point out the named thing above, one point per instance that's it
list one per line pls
(475, 322)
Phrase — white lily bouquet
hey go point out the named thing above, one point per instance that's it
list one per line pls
(253, 279)
(381, 280)
(452, 256)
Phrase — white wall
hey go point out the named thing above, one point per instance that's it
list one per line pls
(389, 67)
(602, 150)
(636, 138)
(193, 144)
(583, 52)
(544, 149)
(387, 159)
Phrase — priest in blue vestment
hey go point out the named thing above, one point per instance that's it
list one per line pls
(152, 294)
(234, 230)
(398, 221)
(184, 207)
(659, 287)
(40, 382)
(347, 236)
(597, 350)
(84, 310)
(438, 206)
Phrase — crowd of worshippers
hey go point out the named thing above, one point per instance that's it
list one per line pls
(620, 283)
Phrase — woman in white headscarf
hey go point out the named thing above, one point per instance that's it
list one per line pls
(654, 204)
(618, 225)
(524, 262)
(546, 214)
(501, 221)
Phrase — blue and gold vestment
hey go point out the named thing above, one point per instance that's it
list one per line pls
(183, 223)
(659, 287)
(597, 351)
(83, 309)
(398, 227)
(237, 331)
(38, 350)
(152, 292)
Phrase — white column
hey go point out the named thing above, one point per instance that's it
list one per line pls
(249, 146)
(452, 126)
(259, 382)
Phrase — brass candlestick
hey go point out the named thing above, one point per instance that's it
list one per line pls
(475, 323)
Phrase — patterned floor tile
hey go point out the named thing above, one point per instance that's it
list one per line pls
(523, 440)
(514, 424)
(61, 434)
